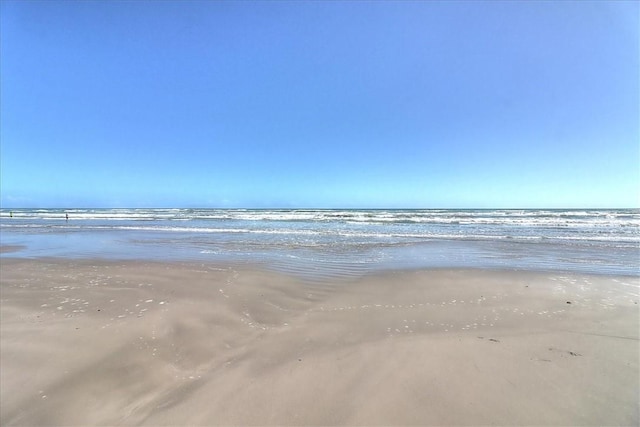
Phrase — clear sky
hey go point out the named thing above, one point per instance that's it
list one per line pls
(319, 104)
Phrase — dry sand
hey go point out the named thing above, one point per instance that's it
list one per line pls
(106, 343)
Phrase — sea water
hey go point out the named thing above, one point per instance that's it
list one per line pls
(337, 243)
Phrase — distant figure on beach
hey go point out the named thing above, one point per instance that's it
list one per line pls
(66, 215)
(10, 214)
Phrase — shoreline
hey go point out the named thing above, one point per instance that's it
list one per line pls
(191, 343)
(5, 249)
(349, 242)
(9, 253)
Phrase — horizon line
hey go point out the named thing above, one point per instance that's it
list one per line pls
(324, 208)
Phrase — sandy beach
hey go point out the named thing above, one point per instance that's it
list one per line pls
(96, 342)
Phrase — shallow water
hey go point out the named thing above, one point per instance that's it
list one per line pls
(337, 243)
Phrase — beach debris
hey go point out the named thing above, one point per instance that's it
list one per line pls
(568, 302)
(490, 339)
(572, 353)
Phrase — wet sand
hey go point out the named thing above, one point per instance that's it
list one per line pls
(129, 343)
(10, 248)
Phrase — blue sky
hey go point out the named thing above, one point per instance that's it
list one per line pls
(319, 104)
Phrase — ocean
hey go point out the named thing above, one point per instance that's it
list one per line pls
(337, 243)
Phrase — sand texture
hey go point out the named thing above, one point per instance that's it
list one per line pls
(108, 343)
